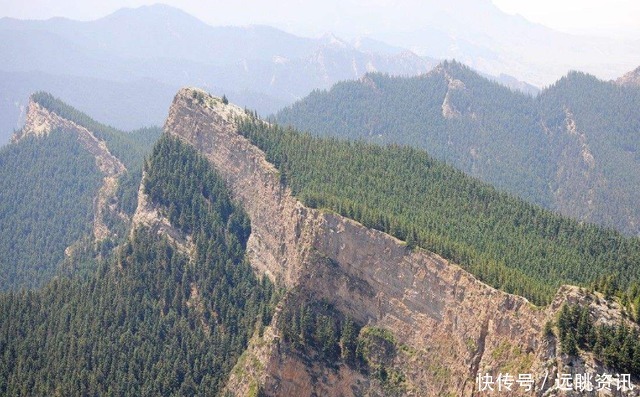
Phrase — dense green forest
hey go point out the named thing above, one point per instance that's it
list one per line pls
(150, 321)
(318, 329)
(47, 186)
(505, 241)
(513, 141)
(130, 148)
(616, 346)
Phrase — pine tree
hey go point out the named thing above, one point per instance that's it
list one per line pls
(585, 328)
(412, 238)
(564, 322)
(570, 346)
(348, 341)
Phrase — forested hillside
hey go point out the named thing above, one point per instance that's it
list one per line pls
(130, 148)
(151, 320)
(48, 188)
(505, 241)
(572, 149)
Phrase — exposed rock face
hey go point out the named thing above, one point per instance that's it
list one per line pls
(279, 372)
(579, 178)
(40, 121)
(453, 327)
(631, 79)
(277, 224)
(147, 215)
(448, 109)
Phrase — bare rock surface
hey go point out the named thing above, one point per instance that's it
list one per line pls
(451, 326)
(630, 79)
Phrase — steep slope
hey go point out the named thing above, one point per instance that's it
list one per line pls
(62, 194)
(185, 305)
(46, 195)
(430, 326)
(151, 320)
(570, 149)
(40, 121)
(596, 128)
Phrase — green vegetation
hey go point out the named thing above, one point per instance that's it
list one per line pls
(130, 148)
(628, 298)
(504, 241)
(317, 328)
(150, 321)
(320, 332)
(616, 346)
(513, 141)
(377, 349)
(47, 186)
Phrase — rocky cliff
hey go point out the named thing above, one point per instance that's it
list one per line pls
(630, 79)
(447, 326)
(40, 121)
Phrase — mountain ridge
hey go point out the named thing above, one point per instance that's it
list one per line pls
(96, 199)
(350, 310)
(570, 148)
(97, 65)
(41, 122)
(365, 273)
(239, 61)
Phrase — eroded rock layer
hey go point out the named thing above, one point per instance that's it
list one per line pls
(450, 326)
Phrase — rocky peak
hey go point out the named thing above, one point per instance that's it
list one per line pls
(449, 71)
(631, 79)
(40, 121)
(195, 100)
(332, 41)
(428, 303)
(448, 326)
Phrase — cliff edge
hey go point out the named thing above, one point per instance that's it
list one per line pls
(40, 121)
(448, 326)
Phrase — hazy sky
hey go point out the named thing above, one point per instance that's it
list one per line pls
(619, 18)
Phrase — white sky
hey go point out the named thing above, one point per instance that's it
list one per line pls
(615, 18)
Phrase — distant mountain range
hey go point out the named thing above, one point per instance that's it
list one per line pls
(574, 148)
(124, 68)
(481, 35)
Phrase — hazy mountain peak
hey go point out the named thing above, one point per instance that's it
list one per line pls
(158, 10)
(631, 78)
(572, 78)
(367, 44)
(451, 68)
(159, 17)
(332, 40)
